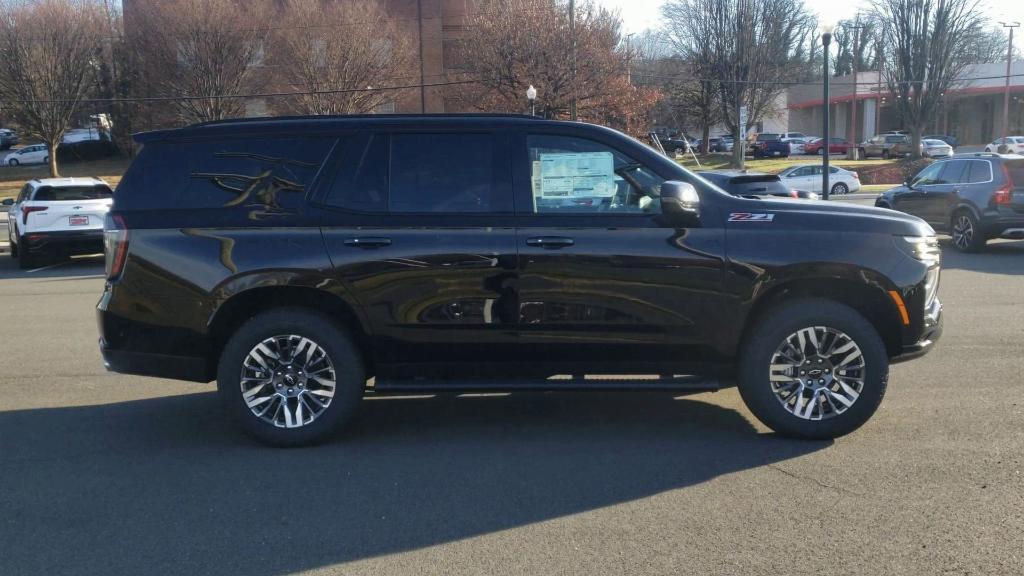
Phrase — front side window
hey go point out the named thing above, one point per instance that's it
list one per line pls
(575, 175)
(444, 173)
(928, 176)
(953, 172)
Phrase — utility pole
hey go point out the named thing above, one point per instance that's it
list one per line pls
(1006, 89)
(629, 59)
(423, 87)
(826, 39)
(853, 110)
(572, 34)
(878, 101)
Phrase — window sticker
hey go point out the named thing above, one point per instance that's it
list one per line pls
(578, 175)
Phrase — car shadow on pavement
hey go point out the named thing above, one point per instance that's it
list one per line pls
(166, 486)
(64, 268)
(998, 257)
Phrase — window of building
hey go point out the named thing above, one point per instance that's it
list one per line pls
(575, 175)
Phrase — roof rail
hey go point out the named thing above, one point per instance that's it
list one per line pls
(359, 116)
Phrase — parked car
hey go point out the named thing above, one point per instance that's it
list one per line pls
(742, 183)
(34, 154)
(1014, 145)
(792, 136)
(936, 148)
(290, 260)
(770, 145)
(8, 138)
(720, 144)
(675, 146)
(951, 140)
(972, 197)
(886, 146)
(58, 216)
(808, 177)
(836, 146)
(796, 145)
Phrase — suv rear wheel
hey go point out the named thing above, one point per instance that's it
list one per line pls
(290, 377)
(967, 237)
(814, 368)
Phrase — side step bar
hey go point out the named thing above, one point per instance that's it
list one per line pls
(675, 383)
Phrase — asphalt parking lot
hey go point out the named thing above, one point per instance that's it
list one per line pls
(109, 474)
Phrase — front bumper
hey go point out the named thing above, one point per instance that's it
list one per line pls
(929, 336)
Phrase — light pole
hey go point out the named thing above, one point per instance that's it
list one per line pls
(853, 110)
(1006, 89)
(531, 95)
(826, 40)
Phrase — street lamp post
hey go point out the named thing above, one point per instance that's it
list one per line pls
(531, 95)
(1006, 89)
(826, 40)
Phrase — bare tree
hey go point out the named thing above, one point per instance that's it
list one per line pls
(928, 46)
(201, 54)
(517, 43)
(48, 52)
(323, 48)
(747, 48)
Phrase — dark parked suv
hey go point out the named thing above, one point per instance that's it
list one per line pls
(972, 197)
(295, 259)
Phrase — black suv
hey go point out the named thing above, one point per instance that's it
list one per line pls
(972, 197)
(303, 262)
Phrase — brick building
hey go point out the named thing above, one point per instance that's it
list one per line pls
(435, 28)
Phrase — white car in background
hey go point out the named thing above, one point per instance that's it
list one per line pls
(1014, 144)
(808, 177)
(936, 148)
(34, 154)
(58, 216)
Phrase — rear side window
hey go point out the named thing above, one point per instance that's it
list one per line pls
(264, 176)
(978, 171)
(62, 193)
(1016, 171)
(444, 173)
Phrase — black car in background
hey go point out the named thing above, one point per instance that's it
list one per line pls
(771, 145)
(303, 261)
(754, 184)
(972, 197)
(8, 138)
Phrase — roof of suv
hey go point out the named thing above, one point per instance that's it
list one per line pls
(310, 123)
(40, 182)
(988, 155)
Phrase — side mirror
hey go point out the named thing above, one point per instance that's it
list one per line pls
(680, 198)
(8, 202)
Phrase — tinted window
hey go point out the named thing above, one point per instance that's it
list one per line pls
(1016, 171)
(765, 184)
(570, 175)
(928, 176)
(362, 181)
(893, 139)
(60, 193)
(978, 171)
(952, 172)
(444, 173)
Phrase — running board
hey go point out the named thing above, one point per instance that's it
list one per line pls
(676, 383)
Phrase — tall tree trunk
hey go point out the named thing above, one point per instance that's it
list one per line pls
(705, 135)
(915, 142)
(54, 173)
(739, 149)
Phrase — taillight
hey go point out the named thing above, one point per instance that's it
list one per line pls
(26, 210)
(855, 175)
(1002, 194)
(115, 244)
(794, 194)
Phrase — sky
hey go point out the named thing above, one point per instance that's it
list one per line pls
(638, 15)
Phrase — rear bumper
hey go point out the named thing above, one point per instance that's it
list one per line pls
(158, 365)
(71, 241)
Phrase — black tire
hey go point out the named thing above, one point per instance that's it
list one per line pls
(966, 233)
(885, 154)
(840, 188)
(350, 375)
(27, 260)
(863, 153)
(12, 162)
(46, 160)
(758, 349)
(13, 245)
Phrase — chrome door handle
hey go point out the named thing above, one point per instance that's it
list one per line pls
(368, 242)
(551, 242)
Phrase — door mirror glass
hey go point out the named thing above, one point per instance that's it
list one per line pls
(680, 199)
(8, 202)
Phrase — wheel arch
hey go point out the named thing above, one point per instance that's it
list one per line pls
(870, 300)
(243, 305)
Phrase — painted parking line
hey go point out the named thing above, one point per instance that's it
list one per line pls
(47, 267)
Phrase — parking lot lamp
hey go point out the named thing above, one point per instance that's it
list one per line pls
(531, 95)
(826, 40)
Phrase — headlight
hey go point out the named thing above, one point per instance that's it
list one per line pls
(813, 196)
(923, 248)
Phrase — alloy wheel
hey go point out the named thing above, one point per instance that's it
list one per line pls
(288, 381)
(963, 232)
(817, 373)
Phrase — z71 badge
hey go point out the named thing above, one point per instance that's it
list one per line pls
(751, 217)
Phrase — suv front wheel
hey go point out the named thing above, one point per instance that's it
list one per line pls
(813, 368)
(290, 377)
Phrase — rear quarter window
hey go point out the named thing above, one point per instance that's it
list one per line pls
(263, 176)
